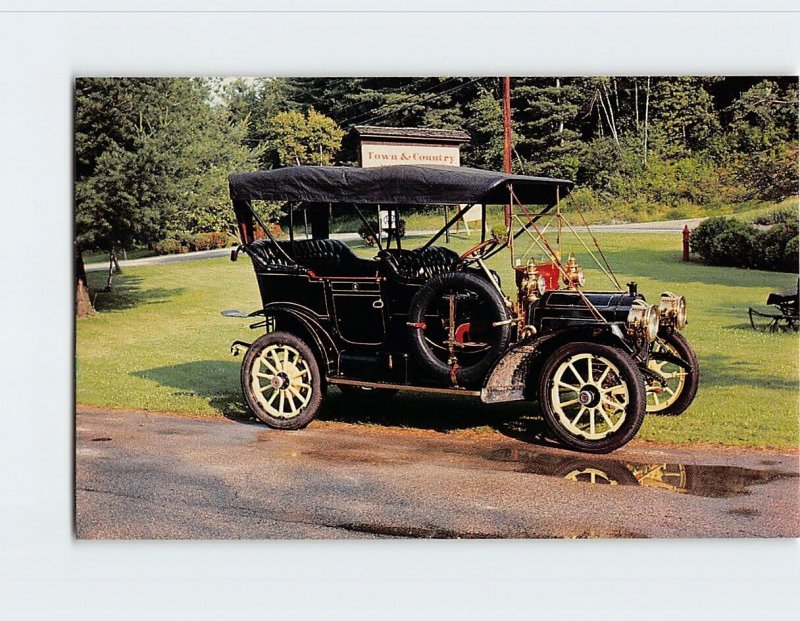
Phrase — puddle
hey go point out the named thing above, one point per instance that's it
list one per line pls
(708, 481)
(175, 431)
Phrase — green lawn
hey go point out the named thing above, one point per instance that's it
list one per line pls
(158, 342)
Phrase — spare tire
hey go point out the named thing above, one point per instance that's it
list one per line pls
(482, 328)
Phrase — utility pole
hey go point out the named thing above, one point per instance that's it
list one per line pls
(507, 137)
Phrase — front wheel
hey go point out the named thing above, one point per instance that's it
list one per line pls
(680, 387)
(592, 396)
(281, 381)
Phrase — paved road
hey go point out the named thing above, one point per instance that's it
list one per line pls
(666, 226)
(156, 476)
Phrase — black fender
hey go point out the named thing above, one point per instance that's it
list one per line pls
(509, 379)
(304, 325)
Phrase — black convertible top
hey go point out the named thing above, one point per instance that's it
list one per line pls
(412, 185)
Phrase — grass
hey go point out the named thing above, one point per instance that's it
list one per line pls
(749, 214)
(159, 343)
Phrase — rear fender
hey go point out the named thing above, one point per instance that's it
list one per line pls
(307, 328)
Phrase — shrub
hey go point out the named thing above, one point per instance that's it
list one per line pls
(792, 255)
(167, 246)
(219, 239)
(725, 241)
(499, 233)
(274, 229)
(202, 241)
(771, 248)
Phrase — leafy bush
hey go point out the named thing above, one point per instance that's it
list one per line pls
(220, 239)
(202, 241)
(792, 253)
(725, 241)
(771, 248)
(274, 229)
(167, 246)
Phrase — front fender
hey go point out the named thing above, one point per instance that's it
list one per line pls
(507, 380)
(509, 377)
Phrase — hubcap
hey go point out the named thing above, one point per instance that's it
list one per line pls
(281, 381)
(660, 397)
(589, 396)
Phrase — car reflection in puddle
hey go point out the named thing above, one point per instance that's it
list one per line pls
(698, 480)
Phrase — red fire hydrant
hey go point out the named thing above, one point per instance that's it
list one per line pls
(686, 235)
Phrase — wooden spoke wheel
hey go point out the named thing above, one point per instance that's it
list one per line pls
(592, 396)
(281, 381)
(672, 398)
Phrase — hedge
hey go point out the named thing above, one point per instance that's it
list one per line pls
(730, 242)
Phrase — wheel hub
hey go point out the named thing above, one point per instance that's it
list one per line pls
(280, 381)
(589, 396)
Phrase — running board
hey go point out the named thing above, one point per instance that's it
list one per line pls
(429, 389)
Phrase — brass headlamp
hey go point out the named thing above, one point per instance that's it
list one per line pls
(672, 309)
(643, 320)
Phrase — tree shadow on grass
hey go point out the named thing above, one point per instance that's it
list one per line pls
(127, 293)
(720, 370)
(217, 381)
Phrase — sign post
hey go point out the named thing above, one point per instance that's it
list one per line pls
(396, 146)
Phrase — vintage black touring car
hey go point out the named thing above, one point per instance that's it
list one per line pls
(430, 320)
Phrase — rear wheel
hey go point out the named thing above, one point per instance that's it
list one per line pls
(592, 396)
(281, 381)
(680, 388)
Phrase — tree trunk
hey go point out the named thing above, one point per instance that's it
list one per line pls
(113, 266)
(561, 118)
(83, 302)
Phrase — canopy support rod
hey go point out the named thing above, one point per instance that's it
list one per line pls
(268, 234)
(369, 226)
(452, 221)
(557, 262)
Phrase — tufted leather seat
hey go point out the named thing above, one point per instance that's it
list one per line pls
(420, 263)
(325, 257)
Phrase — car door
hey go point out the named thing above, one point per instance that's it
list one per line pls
(358, 308)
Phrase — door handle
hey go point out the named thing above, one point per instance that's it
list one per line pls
(377, 304)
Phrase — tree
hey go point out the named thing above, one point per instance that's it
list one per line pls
(683, 114)
(294, 138)
(151, 155)
(546, 117)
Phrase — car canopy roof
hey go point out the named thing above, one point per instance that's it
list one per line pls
(412, 185)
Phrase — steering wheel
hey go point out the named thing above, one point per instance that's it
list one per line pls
(478, 251)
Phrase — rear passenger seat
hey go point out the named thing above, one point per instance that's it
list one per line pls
(325, 257)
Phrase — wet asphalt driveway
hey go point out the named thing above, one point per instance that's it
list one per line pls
(159, 476)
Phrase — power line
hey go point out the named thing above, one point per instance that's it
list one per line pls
(333, 113)
(404, 99)
(417, 103)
